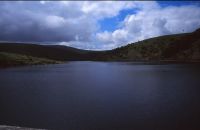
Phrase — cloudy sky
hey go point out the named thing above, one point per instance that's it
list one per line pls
(98, 25)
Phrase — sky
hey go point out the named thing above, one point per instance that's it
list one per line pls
(94, 25)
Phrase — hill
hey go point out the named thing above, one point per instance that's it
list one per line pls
(179, 47)
(55, 52)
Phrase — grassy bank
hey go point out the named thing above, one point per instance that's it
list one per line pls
(12, 59)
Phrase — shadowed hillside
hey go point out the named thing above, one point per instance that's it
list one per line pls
(179, 47)
(45, 51)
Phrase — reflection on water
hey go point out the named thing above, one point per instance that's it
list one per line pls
(101, 95)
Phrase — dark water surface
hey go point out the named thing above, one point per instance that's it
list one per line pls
(101, 96)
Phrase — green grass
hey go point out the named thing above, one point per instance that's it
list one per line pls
(171, 47)
(150, 49)
(12, 59)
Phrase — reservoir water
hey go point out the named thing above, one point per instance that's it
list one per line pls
(101, 96)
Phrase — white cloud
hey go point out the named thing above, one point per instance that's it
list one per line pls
(105, 36)
(151, 21)
(42, 2)
(53, 21)
(76, 23)
(103, 9)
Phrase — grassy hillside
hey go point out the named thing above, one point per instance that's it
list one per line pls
(179, 47)
(55, 52)
(150, 49)
(12, 59)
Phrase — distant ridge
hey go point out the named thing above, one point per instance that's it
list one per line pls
(178, 47)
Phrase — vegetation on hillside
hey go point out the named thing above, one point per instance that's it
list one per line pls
(179, 47)
(11, 59)
(150, 49)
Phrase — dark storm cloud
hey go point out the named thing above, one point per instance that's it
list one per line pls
(33, 21)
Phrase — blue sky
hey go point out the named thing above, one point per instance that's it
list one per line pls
(178, 3)
(110, 24)
(96, 25)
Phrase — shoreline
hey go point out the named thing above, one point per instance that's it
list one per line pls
(161, 62)
(7, 127)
